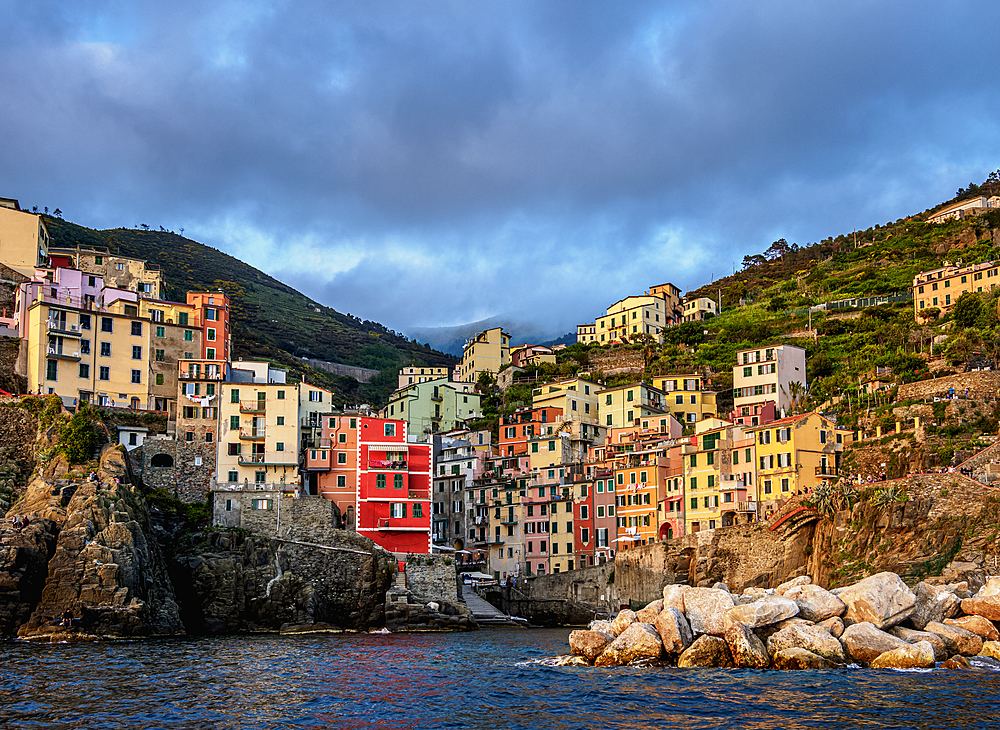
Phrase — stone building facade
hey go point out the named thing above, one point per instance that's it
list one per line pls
(278, 514)
(186, 470)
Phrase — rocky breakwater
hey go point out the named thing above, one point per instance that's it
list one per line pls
(86, 551)
(878, 622)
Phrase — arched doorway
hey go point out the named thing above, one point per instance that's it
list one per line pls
(162, 460)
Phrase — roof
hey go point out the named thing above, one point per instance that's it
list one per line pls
(788, 420)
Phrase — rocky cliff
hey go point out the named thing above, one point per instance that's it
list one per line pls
(127, 567)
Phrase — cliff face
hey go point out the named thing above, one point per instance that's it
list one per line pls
(124, 570)
(232, 584)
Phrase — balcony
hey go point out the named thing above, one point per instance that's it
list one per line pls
(251, 406)
(312, 422)
(58, 353)
(386, 464)
(417, 494)
(56, 326)
(746, 507)
(481, 521)
(252, 434)
(250, 460)
(198, 375)
(826, 470)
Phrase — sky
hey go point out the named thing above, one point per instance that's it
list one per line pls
(437, 163)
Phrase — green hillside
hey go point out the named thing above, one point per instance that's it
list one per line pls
(270, 320)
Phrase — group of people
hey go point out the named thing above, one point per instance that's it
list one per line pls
(20, 522)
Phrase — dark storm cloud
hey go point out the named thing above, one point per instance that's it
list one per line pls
(439, 163)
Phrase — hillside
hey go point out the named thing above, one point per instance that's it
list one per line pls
(270, 319)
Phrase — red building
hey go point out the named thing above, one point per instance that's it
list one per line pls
(517, 429)
(380, 482)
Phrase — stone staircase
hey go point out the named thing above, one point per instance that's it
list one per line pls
(485, 613)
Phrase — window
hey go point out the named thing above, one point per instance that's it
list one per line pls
(161, 332)
(279, 446)
(84, 370)
(380, 481)
(105, 373)
(341, 480)
(136, 376)
(390, 429)
(584, 512)
(397, 481)
(182, 319)
(85, 347)
(341, 457)
(159, 378)
(280, 421)
(188, 336)
(342, 438)
(233, 476)
(189, 436)
(281, 395)
(107, 324)
(211, 314)
(234, 449)
(552, 445)
(418, 510)
(105, 349)
(158, 355)
(137, 352)
(398, 510)
(137, 329)
(210, 353)
(316, 396)
(50, 369)
(211, 334)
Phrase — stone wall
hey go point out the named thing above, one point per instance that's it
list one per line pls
(616, 360)
(185, 478)
(594, 585)
(432, 576)
(286, 517)
(10, 360)
(980, 384)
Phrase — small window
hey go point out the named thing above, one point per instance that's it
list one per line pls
(107, 324)
(390, 429)
(159, 378)
(137, 352)
(188, 336)
(280, 421)
(137, 329)
(136, 376)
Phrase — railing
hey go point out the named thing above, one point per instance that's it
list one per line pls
(252, 459)
(251, 406)
(312, 422)
(216, 375)
(57, 352)
(481, 521)
(60, 326)
(419, 494)
(826, 470)
(387, 464)
(746, 506)
(251, 433)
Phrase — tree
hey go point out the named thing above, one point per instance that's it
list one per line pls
(57, 213)
(777, 249)
(968, 307)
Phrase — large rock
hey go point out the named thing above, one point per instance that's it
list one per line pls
(816, 603)
(834, 625)
(648, 613)
(958, 641)
(811, 638)
(706, 651)
(674, 629)
(911, 656)
(932, 604)
(802, 580)
(987, 607)
(673, 596)
(977, 625)
(991, 649)
(623, 620)
(795, 657)
(706, 608)
(603, 626)
(763, 612)
(765, 632)
(882, 600)
(864, 642)
(912, 636)
(747, 650)
(638, 641)
(589, 644)
(991, 587)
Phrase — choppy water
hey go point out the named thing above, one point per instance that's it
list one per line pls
(486, 679)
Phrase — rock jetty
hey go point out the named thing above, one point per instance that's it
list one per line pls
(878, 622)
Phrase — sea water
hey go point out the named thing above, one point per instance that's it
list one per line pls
(486, 679)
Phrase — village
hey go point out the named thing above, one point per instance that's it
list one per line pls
(568, 479)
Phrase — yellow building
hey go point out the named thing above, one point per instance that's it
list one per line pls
(98, 355)
(24, 239)
(686, 398)
(673, 299)
(632, 318)
(698, 309)
(486, 352)
(586, 333)
(412, 374)
(259, 433)
(578, 401)
(941, 288)
(794, 454)
(703, 467)
(626, 406)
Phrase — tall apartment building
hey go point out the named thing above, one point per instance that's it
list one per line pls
(671, 295)
(520, 430)
(633, 405)
(632, 318)
(718, 476)
(765, 375)
(488, 351)
(576, 399)
(455, 517)
(940, 288)
(379, 479)
(24, 239)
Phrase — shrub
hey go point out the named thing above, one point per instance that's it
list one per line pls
(79, 438)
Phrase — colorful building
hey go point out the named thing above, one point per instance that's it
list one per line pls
(687, 397)
(940, 288)
(698, 309)
(487, 352)
(767, 374)
(24, 239)
(434, 406)
(413, 374)
(634, 318)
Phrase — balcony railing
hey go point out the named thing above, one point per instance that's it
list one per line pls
(387, 464)
(251, 434)
(417, 494)
(61, 327)
(746, 507)
(213, 375)
(252, 459)
(251, 406)
(826, 470)
(57, 352)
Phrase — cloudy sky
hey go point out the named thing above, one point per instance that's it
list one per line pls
(427, 164)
